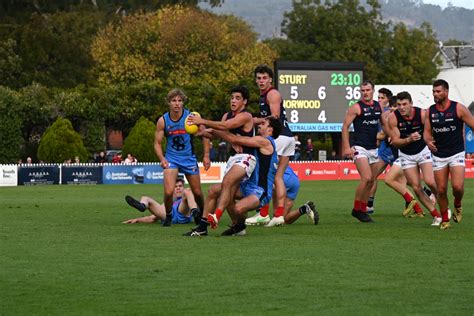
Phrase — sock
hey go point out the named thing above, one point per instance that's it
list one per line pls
(203, 224)
(417, 208)
(357, 205)
(194, 211)
(435, 213)
(264, 210)
(370, 202)
(218, 213)
(302, 209)
(363, 207)
(457, 203)
(445, 215)
(279, 211)
(407, 197)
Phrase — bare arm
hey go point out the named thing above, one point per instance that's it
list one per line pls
(159, 134)
(465, 115)
(351, 114)
(428, 134)
(239, 120)
(256, 141)
(145, 219)
(274, 100)
(394, 133)
(206, 161)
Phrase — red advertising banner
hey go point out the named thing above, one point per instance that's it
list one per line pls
(316, 170)
(469, 168)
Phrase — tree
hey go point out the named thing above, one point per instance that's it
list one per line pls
(335, 31)
(10, 140)
(410, 60)
(10, 62)
(180, 47)
(60, 142)
(347, 31)
(140, 141)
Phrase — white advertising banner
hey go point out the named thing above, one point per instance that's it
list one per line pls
(8, 175)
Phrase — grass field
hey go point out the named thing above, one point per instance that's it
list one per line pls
(64, 251)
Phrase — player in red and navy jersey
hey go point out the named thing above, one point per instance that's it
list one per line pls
(444, 135)
(406, 132)
(365, 115)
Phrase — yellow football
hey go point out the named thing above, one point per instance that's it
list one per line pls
(191, 129)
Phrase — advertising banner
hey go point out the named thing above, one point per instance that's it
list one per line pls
(213, 175)
(469, 169)
(38, 174)
(316, 170)
(71, 174)
(469, 140)
(132, 174)
(153, 174)
(348, 171)
(8, 175)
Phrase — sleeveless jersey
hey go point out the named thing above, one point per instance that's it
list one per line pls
(409, 126)
(265, 111)
(366, 125)
(178, 142)
(447, 130)
(265, 170)
(240, 131)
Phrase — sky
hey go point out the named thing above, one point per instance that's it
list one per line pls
(468, 4)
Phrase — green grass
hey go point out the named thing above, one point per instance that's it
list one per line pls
(63, 250)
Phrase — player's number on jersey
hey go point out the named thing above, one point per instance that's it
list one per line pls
(322, 116)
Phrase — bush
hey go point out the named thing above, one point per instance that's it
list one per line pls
(60, 142)
(140, 141)
(10, 127)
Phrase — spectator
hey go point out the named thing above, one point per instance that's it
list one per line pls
(68, 161)
(297, 155)
(130, 160)
(77, 160)
(212, 152)
(334, 155)
(29, 160)
(117, 158)
(20, 161)
(309, 149)
(101, 158)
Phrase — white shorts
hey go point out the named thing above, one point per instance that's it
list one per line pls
(410, 161)
(457, 160)
(371, 154)
(397, 162)
(285, 146)
(246, 161)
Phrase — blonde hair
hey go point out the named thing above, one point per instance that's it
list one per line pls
(174, 93)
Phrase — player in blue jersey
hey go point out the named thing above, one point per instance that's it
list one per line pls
(271, 104)
(365, 115)
(257, 190)
(384, 151)
(179, 155)
(292, 184)
(444, 135)
(241, 164)
(183, 207)
(405, 130)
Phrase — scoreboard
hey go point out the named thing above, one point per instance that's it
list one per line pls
(316, 95)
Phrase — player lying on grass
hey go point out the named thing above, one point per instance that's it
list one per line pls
(252, 193)
(183, 209)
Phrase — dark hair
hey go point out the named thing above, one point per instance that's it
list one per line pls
(262, 69)
(179, 179)
(386, 92)
(392, 101)
(275, 124)
(242, 90)
(367, 82)
(441, 82)
(404, 96)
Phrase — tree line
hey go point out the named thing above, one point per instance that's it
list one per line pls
(104, 64)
